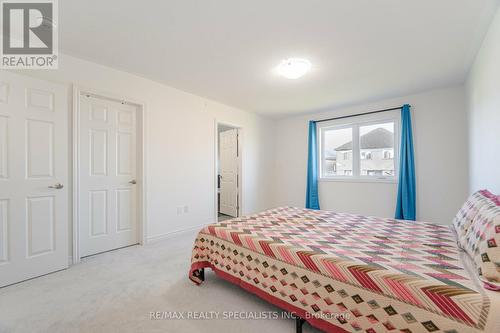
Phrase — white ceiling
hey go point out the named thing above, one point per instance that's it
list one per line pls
(225, 50)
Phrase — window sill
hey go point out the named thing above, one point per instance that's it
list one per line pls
(359, 180)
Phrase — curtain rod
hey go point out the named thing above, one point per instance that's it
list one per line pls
(359, 114)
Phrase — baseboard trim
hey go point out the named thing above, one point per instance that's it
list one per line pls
(157, 238)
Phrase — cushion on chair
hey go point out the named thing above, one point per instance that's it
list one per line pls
(468, 212)
(483, 241)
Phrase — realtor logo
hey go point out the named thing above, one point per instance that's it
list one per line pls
(29, 34)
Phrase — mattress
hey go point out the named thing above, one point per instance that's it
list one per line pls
(349, 273)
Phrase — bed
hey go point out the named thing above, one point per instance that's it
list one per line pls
(349, 273)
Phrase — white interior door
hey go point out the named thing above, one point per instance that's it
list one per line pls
(107, 175)
(229, 172)
(33, 178)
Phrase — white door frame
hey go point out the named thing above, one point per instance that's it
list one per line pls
(141, 162)
(240, 164)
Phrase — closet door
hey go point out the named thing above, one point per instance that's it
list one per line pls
(33, 178)
(107, 175)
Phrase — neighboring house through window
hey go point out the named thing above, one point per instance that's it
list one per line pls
(360, 148)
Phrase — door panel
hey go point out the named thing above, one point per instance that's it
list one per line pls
(40, 212)
(4, 92)
(33, 159)
(98, 213)
(124, 202)
(229, 172)
(124, 141)
(108, 160)
(40, 148)
(4, 231)
(98, 152)
(98, 113)
(4, 146)
(39, 99)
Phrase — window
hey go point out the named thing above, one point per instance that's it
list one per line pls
(366, 156)
(336, 161)
(364, 149)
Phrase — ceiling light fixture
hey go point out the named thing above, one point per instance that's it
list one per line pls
(293, 68)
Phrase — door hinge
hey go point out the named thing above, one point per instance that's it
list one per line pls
(237, 145)
(237, 204)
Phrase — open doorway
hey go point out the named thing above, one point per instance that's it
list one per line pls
(228, 172)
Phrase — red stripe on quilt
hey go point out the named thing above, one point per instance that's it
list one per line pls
(250, 243)
(285, 255)
(364, 279)
(222, 233)
(334, 271)
(402, 292)
(267, 249)
(491, 196)
(448, 306)
(236, 238)
(211, 230)
(307, 260)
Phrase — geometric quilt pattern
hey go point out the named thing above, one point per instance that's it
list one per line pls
(382, 274)
(467, 213)
(483, 238)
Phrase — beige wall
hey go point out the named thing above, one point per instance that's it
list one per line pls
(180, 145)
(483, 92)
(180, 134)
(440, 138)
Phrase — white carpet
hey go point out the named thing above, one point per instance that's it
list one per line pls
(116, 291)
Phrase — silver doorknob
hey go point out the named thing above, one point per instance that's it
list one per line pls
(57, 186)
(133, 182)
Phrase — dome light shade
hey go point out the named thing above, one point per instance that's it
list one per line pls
(293, 68)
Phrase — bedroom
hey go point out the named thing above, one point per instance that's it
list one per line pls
(113, 142)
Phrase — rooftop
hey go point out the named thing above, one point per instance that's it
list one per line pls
(376, 139)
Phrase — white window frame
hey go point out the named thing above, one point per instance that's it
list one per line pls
(355, 123)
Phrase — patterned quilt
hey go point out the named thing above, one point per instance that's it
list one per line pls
(344, 272)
